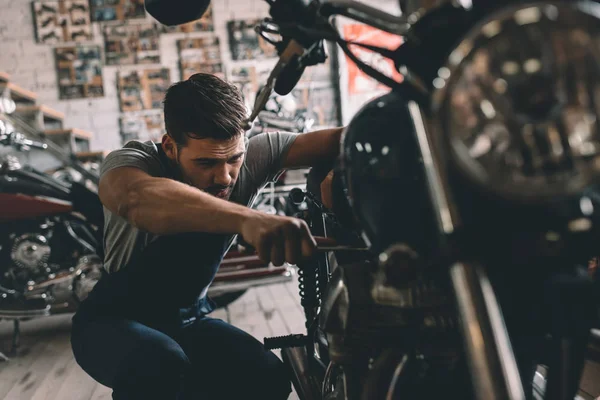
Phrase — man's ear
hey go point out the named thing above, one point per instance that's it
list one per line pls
(169, 147)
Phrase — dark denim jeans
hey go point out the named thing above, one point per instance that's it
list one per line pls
(206, 359)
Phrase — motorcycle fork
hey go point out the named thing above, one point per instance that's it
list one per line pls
(570, 302)
(492, 365)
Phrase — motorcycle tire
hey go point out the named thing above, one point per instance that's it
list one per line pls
(223, 300)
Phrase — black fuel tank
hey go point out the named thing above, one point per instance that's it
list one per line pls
(384, 176)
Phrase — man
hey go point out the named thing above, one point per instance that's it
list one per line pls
(171, 212)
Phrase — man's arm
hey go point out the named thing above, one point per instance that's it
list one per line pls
(313, 148)
(164, 206)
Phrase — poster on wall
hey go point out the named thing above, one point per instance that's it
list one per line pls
(142, 89)
(131, 44)
(142, 126)
(204, 24)
(200, 55)
(117, 10)
(79, 70)
(358, 81)
(62, 21)
(246, 44)
(248, 79)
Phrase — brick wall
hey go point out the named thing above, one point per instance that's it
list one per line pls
(32, 65)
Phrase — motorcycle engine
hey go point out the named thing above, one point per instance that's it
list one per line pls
(30, 254)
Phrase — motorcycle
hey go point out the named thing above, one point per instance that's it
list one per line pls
(464, 201)
(49, 236)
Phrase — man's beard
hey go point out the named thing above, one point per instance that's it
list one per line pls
(220, 191)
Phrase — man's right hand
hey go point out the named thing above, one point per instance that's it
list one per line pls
(278, 239)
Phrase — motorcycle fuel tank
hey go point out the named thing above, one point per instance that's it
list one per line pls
(26, 193)
(384, 176)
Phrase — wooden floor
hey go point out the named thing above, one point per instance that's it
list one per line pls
(46, 369)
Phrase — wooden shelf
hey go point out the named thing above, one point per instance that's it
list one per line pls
(4, 77)
(19, 94)
(48, 113)
(77, 133)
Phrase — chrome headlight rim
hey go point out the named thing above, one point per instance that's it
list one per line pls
(455, 150)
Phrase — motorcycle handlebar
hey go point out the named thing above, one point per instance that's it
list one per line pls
(19, 141)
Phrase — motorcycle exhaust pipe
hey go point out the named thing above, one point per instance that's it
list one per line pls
(306, 385)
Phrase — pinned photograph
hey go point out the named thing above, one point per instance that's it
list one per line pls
(200, 55)
(131, 44)
(62, 21)
(117, 10)
(143, 89)
(246, 44)
(79, 70)
(142, 126)
(248, 80)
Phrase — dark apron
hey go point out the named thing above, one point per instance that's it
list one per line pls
(162, 286)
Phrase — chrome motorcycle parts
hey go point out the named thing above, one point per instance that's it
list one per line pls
(31, 252)
(87, 273)
(492, 364)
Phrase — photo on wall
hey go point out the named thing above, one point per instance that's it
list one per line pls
(200, 55)
(248, 79)
(204, 24)
(142, 89)
(79, 70)
(62, 21)
(131, 44)
(142, 126)
(245, 43)
(117, 10)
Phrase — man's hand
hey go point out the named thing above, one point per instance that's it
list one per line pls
(278, 239)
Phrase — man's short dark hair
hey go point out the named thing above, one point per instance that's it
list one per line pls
(204, 106)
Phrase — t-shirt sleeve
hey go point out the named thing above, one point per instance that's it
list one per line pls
(266, 152)
(132, 156)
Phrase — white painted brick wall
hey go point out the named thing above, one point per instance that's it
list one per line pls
(32, 65)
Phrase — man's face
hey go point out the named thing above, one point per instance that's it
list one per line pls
(210, 165)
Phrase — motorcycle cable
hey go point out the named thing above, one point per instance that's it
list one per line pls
(407, 87)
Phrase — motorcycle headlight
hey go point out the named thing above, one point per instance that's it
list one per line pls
(519, 100)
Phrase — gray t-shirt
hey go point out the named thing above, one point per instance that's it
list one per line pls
(123, 242)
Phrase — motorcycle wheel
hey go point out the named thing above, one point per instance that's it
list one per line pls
(223, 300)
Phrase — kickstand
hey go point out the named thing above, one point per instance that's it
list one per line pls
(16, 341)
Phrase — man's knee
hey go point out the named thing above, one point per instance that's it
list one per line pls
(153, 371)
